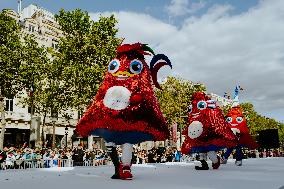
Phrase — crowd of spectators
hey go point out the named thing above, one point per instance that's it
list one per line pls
(257, 154)
(156, 155)
(16, 158)
(24, 157)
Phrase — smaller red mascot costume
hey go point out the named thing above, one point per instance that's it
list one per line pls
(125, 110)
(238, 125)
(207, 131)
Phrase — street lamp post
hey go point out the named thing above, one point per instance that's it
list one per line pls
(3, 121)
(180, 125)
(31, 95)
(54, 119)
(66, 134)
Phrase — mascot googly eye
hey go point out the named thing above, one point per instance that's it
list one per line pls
(136, 66)
(113, 66)
(201, 105)
(229, 119)
(239, 119)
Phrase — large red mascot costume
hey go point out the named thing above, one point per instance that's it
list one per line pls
(207, 131)
(125, 110)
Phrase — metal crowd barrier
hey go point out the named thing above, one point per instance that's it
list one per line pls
(90, 163)
(33, 164)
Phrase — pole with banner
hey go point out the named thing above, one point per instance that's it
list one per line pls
(174, 133)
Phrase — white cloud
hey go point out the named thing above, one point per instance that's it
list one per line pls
(178, 7)
(222, 50)
(194, 7)
(142, 28)
(183, 7)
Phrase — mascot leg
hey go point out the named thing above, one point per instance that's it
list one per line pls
(226, 155)
(214, 158)
(204, 165)
(112, 152)
(239, 156)
(125, 166)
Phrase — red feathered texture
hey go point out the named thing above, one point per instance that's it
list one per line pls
(215, 129)
(143, 114)
(136, 47)
(129, 47)
(136, 99)
(245, 138)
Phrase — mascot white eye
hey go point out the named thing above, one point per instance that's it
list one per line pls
(201, 105)
(229, 119)
(239, 119)
(189, 109)
(113, 66)
(136, 66)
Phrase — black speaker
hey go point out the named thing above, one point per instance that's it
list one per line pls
(268, 138)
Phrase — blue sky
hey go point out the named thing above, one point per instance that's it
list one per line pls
(220, 43)
(155, 8)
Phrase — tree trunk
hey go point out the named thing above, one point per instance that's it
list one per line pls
(32, 130)
(3, 122)
(42, 132)
(53, 135)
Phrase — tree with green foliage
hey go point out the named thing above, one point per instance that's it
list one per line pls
(10, 60)
(83, 54)
(34, 68)
(38, 75)
(23, 66)
(257, 122)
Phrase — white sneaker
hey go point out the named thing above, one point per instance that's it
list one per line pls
(223, 161)
(238, 163)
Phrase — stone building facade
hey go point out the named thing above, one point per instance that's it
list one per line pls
(41, 24)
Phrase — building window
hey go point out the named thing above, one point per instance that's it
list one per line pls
(54, 46)
(80, 114)
(31, 28)
(54, 114)
(9, 105)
